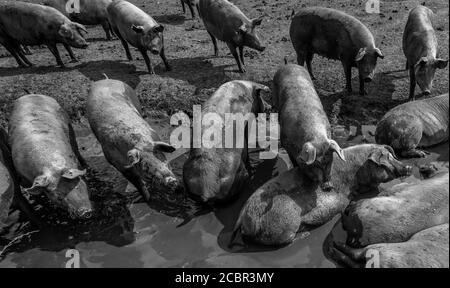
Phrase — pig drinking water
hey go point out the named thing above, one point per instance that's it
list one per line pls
(215, 175)
(128, 141)
(290, 203)
(421, 47)
(33, 24)
(397, 214)
(45, 154)
(140, 30)
(421, 123)
(224, 21)
(91, 12)
(335, 35)
(305, 129)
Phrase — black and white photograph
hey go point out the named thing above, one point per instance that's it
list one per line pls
(195, 134)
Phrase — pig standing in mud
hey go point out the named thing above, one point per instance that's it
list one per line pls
(91, 12)
(398, 213)
(335, 35)
(290, 203)
(46, 156)
(425, 249)
(215, 175)
(420, 47)
(33, 24)
(224, 21)
(305, 129)
(422, 123)
(128, 141)
(134, 26)
(191, 4)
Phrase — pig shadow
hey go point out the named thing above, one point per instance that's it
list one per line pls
(116, 70)
(36, 70)
(173, 19)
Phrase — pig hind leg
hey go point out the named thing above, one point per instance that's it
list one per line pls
(107, 29)
(309, 58)
(214, 40)
(234, 52)
(191, 8)
(130, 176)
(14, 54)
(184, 7)
(124, 44)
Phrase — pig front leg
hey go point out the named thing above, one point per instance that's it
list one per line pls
(412, 83)
(55, 52)
(136, 181)
(147, 60)
(162, 54)
(72, 56)
(241, 54)
(191, 8)
(362, 90)
(233, 50)
(184, 7)
(348, 76)
(214, 40)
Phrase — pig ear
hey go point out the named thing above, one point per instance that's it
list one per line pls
(360, 54)
(134, 157)
(73, 173)
(379, 158)
(257, 21)
(334, 146)
(391, 150)
(164, 147)
(39, 184)
(440, 63)
(80, 27)
(379, 54)
(308, 153)
(159, 29)
(137, 29)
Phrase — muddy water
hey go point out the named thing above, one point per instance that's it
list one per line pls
(135, 235)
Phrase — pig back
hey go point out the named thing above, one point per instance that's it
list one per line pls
(39, 137)
(29, 23)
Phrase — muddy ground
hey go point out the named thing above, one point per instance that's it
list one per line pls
(141, 236)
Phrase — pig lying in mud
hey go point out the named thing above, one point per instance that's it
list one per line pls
(191, 4)
(397, 214)
(46, 156)
(215, 175)
(291, 203)
(421, 123)
(92, 12)
(425, 249)
(33, 24)
(305, 129)
(335, 35)
(134, 26)
(128, 141)
(421, 47)
(226, 22)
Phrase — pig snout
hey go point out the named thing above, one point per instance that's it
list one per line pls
(84, 213)
(427, 92)
(154, 51)
(402, 170)
(368, 79)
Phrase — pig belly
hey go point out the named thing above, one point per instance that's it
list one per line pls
(323, 47)
(214, 30)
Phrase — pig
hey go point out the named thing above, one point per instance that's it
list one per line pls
(420, 47)
(426, 249)
(335, 35)
(8, 183)
(34, 24)
(290, 202)
(191, 4)
(215, 175)
(92, 12)
(45, 154)
(134, 26)
(421, 123)
(305, 129)
(226, 22)
(129, 143)
(397, 214)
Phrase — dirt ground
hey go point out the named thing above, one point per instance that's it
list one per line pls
(197, 73)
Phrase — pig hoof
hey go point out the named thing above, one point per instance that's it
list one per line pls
(242, 70)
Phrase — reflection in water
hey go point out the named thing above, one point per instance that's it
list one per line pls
(127, 233)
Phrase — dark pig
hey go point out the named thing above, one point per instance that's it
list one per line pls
(129, 143)
(46, 156)
(91, 12)
(191, 4)
(33, 24)
(335, 35)
(215, 175)
(226, 22)
(291, 203)
(421, 123)
(398, 213)
(305, 129)
(426, 249)
(140, 30)
(421, 47)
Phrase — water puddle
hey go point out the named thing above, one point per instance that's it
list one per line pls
(135, 235)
